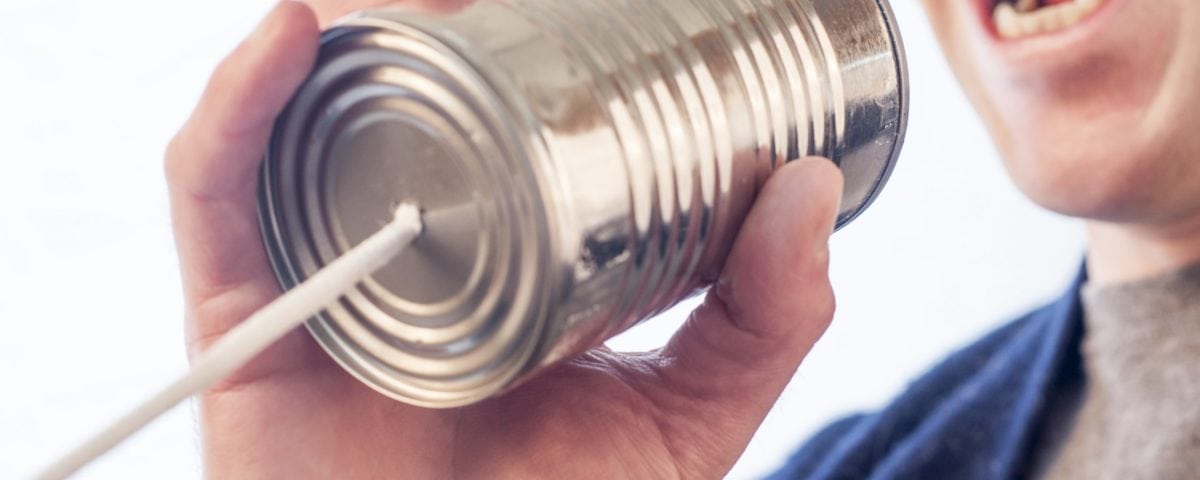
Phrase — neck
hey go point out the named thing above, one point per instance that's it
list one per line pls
(1120, 253)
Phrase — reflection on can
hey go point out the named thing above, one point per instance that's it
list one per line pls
(582, 166)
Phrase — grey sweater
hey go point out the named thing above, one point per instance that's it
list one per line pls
(1137, 414)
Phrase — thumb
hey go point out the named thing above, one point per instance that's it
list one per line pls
(771, 303)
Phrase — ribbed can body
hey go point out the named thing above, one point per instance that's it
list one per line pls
(583, 165)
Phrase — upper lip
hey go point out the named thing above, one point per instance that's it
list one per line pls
(1044, 49)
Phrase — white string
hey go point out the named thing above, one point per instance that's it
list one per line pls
(250, 337)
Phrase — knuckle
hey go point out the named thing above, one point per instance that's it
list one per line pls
(825, 305)
(226, 75)
(820, 301)
(173, 160)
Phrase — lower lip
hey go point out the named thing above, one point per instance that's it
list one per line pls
(1047, 45)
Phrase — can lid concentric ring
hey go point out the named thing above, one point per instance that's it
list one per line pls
(390, 115)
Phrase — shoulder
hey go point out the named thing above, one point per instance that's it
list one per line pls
(965, 418)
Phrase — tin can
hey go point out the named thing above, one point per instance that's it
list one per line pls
(581, 166)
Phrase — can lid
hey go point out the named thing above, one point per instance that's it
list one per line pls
(391, 115)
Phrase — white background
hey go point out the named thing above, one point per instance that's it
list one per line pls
(90, 92)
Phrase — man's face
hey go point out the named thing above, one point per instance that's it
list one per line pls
(1094, 104)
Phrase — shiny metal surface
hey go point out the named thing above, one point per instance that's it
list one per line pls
(582, 165)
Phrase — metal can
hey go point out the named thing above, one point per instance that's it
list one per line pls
(581, 166)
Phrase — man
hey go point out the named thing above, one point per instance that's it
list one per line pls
(1091, 103)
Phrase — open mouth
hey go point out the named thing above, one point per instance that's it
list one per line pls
(1015, 19)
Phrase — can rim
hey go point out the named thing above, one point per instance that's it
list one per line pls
(544, 272)
(901, 66)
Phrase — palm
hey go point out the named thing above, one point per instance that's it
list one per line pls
(602, 411)
(686, 410)
(577, 418)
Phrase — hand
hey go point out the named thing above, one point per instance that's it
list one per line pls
(686, 411)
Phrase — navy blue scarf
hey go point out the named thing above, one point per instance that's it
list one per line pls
(976, 415)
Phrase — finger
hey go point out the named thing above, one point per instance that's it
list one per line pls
(772, 301)
(212, 167)
(330, 12)
(218, 150)
(439, 6)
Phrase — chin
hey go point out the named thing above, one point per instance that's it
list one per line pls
(1096, 152)
(1089, 180)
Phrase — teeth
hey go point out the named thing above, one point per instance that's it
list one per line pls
(1025, 18)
